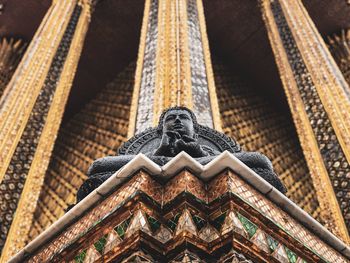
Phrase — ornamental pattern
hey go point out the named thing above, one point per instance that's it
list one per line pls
(339, 45)
(172, 219)
(331, 151)
(200, 88)
(13, 182)
(98, 130)
(148, 79)
(257, 126)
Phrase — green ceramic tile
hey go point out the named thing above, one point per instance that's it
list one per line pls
(199, 222)
(217, 222)
(80, 257)
(172, 222)
(122, 227)
(272, 243)
(100, 244)
(154, 223)
(292, 257)
(249, 226)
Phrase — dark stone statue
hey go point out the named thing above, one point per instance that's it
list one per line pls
(177, 131)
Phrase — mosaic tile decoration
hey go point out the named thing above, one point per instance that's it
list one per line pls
(96, 131)
(233, 214)
(147, 88)
(200, 89)
(332, 153)
(12, 185)
(256, 125)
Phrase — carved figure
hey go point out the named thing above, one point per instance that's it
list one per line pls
(177, 131)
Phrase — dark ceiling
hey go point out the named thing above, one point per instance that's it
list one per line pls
(235, 28)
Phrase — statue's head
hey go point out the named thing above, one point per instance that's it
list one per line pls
(178, 119)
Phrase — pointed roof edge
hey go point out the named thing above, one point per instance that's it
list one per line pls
(225, 160)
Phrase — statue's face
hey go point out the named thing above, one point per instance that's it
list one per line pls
(179, 121)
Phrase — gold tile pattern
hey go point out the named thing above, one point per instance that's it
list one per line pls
(249, 117)
(96, 131)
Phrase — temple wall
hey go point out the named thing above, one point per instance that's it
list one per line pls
(259, 126)
(97, 131)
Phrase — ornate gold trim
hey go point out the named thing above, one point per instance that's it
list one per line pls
(173, 72)
(162, 74)
(138, 74)
(24, 213)
(209, 69)
(184, 98)
(324, 189)
(328, 79)
(27, 81)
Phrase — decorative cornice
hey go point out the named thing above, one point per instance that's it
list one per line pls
(205, 173)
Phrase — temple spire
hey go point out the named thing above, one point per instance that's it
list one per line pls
(174, 66)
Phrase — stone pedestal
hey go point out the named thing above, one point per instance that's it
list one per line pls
(220, 212)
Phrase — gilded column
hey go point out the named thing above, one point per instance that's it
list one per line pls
(31, 111)
(174, 66)
(11, 52)
(316, 92)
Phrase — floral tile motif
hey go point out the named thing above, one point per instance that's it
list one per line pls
(226, 219)
(208, 233)
(273, 244)
(186, 223)
(291, 255)
(91, 255)
(163, 234)
(232, 223)
(113, 239)
(100, 244)
(139, 256)
(281, 254)
(186, 257)
(138, 222)
(80, 257)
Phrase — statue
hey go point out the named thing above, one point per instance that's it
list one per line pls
(177, 131)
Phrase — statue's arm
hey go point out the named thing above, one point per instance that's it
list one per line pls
(108, 164)
(99, 171)
(260, 164)
(254, 160)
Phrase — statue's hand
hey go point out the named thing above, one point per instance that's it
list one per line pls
(167, 144)
(189, 145)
